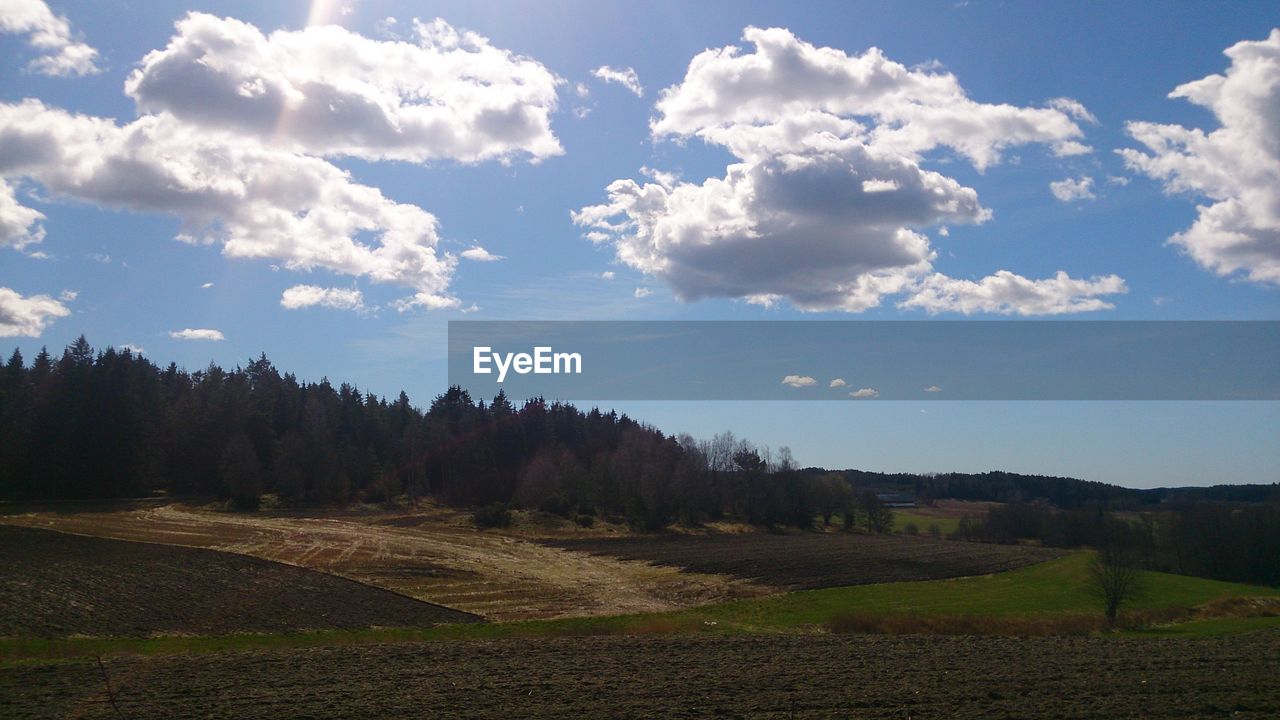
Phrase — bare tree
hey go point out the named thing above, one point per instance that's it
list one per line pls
(1114, 579)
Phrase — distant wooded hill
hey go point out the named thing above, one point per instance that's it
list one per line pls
(1064, 492)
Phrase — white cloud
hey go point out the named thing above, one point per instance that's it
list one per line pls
(863, 393)
(1074, 108)
(27, 316)
(607, 275)
(101, 258)
(1006, 293)
(1117, 180)
(643, 292)
(135, 349)
(799, 381)
(479, 254)
(1072, 189)
(197, 334)
(933, 389)
(19, 225)
(913, 111)
(302, 296)
(626, 77)
(1236, 167)
(327, 91)
(838, 383)
(61, 54)
(206, 286)
(68, 295)
(254, 200)
(826, 201)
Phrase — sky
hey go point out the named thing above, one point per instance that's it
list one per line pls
(331, 182)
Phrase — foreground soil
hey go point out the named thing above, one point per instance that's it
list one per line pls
(679, 677)
(806, 561)
(58, 585)
(428, 554)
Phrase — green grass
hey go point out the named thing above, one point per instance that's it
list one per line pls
(1054, 588)
(947, 525)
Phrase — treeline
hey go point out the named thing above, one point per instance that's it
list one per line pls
(1213, 540)
(110, 424)
(1063, 492)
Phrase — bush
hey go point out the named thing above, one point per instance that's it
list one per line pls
(911, 529)
(496, 515)
(935, 531)
(585, 521)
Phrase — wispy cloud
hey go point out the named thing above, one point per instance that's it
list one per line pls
(626, 77)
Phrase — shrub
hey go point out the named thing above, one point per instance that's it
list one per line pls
(911, 529)
(935, 531)
(496, 515)
(585, 521)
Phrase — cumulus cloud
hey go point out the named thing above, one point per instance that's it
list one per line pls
(607, 275)
(912, 110)
(27, 316)
(253, 199)
(1072, 189)
(197, 334)
(135, 349)
(60, 53)
(325, 90)
(838, 383)
(303, 296)
(933, 389)
(1236, 167)
(799, 381)
(643, 292)
(626, 77)
(479, 254)
(825, 201)
(864, 393)
(1006, 293)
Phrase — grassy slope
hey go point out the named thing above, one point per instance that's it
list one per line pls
(1052, 588)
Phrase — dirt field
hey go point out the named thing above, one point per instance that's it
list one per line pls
(55, 585)
(430, 555)
(804, 561)
(680, 677)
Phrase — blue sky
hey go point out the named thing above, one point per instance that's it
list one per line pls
(971, 136)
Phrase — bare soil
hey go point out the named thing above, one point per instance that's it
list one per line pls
(805, 561)
(679, 677)
(58, 585)
(430, 554)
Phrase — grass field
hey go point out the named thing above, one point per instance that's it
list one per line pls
(1051, 589)
(1054, 587)
(901, 518)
